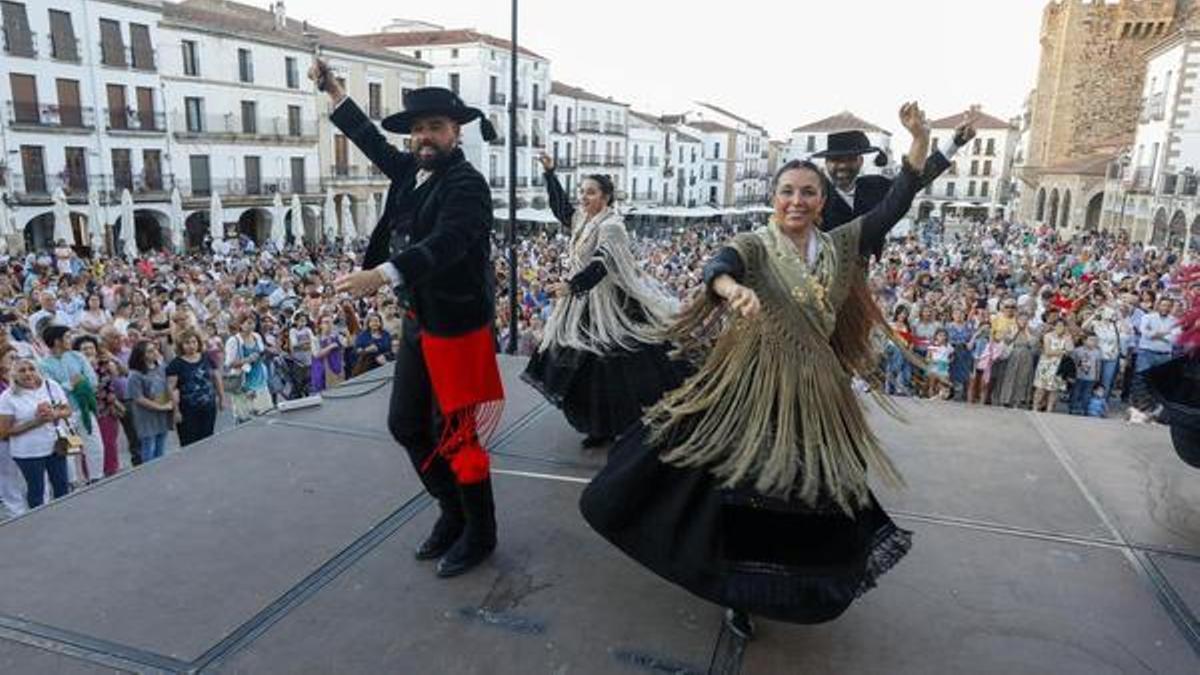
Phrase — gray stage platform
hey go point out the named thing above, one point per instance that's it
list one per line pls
(1044, 544)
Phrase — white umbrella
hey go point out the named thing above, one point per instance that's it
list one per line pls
(347, 219)
(330, 225)
(177, 225)
(128, 232)
(216, 218)
(297, 219)
(278, 234)
(365, 227)
(95, 223)
(62, 219)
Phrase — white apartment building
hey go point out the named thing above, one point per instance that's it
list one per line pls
(809, 139)
(247, 123)
(1151, 189)
(978, 183)
(83, 111)
(593, 136)
(750, 155)
(477, 66)
(647, 161)
(685, 164)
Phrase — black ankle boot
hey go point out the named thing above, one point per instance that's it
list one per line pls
(740, 624)
(448, 528)
(478, 539)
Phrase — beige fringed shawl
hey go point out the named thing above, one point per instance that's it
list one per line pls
(600, 321)
(772, 405)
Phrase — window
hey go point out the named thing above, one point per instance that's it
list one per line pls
(298, 185)
(978, 145)
(70, 114)
(147, 119)
(194, 110)
(983, 189)
(25, 99)
(76, 170)
(454, 53)
(716, 152)
(245, 66)
(191, 59)
(417, 54)
(122, 169)
(375, 100)
(142, 49)
(633, 187)
(112, 46)
(971, 188)
(201, 178)
(18, 41)
(33, 164)
(991, 146)
(454, 80)
(950, 189)
(812, 144)
(152, 170)
(974, 167)
(63, 45)
(714, 173)
(293, 73)
(118, 108)
(987, 168)
(249, 117)
(253, 175)
(294, 127)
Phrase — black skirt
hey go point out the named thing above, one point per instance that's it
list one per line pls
(780, 559)
(603, 395)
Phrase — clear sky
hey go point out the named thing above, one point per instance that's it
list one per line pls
(780, 64)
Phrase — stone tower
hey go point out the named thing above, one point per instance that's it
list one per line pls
(1089, 85)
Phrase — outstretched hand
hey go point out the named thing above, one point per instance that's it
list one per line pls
(913, 119)
(322, 76)
(547, 162)
(965, 132)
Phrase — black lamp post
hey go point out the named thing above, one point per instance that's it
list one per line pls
(513, 277)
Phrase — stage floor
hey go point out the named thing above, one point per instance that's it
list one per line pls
(1044, 544)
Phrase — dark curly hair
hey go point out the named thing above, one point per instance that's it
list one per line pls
(606, 186)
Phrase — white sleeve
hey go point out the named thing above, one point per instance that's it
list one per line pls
(389, 270)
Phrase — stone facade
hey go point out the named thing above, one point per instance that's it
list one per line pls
(1088, 94)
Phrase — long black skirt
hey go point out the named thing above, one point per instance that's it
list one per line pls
(603, 395)
(780, 559)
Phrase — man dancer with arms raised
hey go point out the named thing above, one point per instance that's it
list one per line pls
(432, 245)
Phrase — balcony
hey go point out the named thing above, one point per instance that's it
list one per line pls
(348, 173)
(230, 127)
(1154, 107)
(498, 182)
(591, 126)
(522, 181)
(522, 102)
(614, 129)
(539, 141)
(522, 140)
(135, 120)
(538, 180)
(638, 161)
(497, 98)
(1170, 183)
(539, 104)
(644, 196)
(614, 160)
(565, 163)
(64, 49)
(40, 188)
(499, 140)
(48, 116)
(20, 43)
(590, 160)
(1142, 180)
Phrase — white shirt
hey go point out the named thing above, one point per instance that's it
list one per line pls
(21, 404)
(1158, 332)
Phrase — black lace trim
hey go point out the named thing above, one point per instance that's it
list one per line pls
(889, 546)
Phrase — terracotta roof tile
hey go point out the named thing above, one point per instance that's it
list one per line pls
(843, 121)
(439, 38)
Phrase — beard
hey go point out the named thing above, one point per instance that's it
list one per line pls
(433, 160)
(843, 176)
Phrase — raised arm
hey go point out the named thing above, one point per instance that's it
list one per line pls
(361, 131)
(881, 219)
(560, 201)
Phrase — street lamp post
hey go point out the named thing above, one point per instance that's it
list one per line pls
(513, 277)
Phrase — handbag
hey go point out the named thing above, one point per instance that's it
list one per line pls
(67, 442)
(235, 378)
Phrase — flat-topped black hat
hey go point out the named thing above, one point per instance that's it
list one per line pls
(436, 102)
(851, 144)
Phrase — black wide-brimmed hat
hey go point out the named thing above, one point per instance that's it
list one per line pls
(851, 144)
(436, 102)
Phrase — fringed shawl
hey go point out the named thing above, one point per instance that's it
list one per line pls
(772, 406)
(600, 320)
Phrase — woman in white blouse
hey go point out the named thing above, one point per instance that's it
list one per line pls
(29, 413)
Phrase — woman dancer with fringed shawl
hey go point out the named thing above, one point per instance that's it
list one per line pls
(747, 485)
(601, 359)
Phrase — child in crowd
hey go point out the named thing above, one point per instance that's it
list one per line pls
(1087, 372)
(982, 355)
(1098, 405)
(938, 356)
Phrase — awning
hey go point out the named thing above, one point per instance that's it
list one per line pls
(529, 215)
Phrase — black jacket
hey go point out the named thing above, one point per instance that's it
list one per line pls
(444, 256)
(869, 191)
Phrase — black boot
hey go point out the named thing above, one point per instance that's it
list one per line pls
(740, 624)
(478, 540)
(439, 481)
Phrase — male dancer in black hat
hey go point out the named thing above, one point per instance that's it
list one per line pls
(433, 246)
(853, 195)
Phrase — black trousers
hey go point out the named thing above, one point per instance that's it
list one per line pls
(197, 423)
(413, 418)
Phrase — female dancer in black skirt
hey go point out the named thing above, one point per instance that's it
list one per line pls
(601, 359)
(747, 485)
